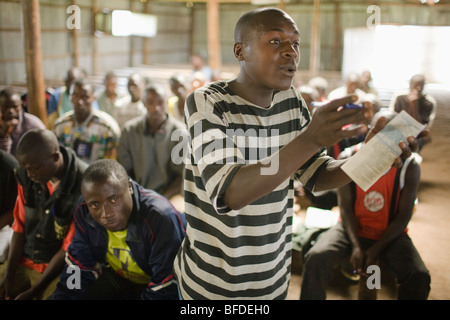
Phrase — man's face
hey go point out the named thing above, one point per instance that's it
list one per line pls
(135, 88)
(111, 86)
(155, 105)
(109, 202)
(352, 86)
(417, 86)
(271, 57)
(40, 167)
(10, 107)
(82, 99)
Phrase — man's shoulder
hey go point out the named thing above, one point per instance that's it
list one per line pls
(65, 119)
(104, 119)
(135, 124)
(33, 121)
(151, 203)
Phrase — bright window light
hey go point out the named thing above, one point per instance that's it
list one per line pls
(126, 23)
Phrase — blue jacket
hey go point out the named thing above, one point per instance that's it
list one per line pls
(155, 233)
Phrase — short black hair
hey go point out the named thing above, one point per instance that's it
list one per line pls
(37, 141)
(156, 88)
(102, 169)
(8, 93)
(252, 22)
(84, 83)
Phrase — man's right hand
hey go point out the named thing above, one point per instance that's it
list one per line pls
(329, 123)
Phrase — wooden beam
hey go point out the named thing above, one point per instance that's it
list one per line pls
(212, 11)
(33, 59)
(314, 62)
(146, 42)
(336, 36)
(74, 42)
(94, 10)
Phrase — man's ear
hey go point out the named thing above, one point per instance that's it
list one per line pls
(130, 185)
(238, 50)
(56, 155)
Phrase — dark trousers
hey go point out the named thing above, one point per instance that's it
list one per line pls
(333, 246)
(111, 286)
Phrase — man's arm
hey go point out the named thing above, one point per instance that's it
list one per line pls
(124, 152)
(346, 200)
(174, 187)
(324, 129)
(168, 231)
(53, 269)
(79, 256)
(15, 254)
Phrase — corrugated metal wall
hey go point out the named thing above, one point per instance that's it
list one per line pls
(340, 14)
(171, 45)
(181, 31)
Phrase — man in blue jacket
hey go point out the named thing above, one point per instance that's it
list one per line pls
(126, 238)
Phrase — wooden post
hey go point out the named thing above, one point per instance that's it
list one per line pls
(75, 52)
(212, 10)
(314, 62)
(146, 44)
(131, 39)
(94, 11)
(336, 37)
(33, 59)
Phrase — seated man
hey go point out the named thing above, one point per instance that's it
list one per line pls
(8, 188)
(125, 241)
(14, 120)
(49, 182)
(420, 106)
(147, 143)
(131, 106)
(373, 230)
(93, 134)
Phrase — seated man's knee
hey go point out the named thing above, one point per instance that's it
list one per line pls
(416, 286)
(316, 258)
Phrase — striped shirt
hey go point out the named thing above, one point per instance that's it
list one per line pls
(246, 253)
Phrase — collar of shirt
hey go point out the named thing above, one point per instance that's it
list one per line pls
(152, 131)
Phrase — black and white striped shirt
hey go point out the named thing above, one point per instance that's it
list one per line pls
(246, 253)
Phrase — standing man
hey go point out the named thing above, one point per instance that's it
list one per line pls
(93, 134)
(239, 203)
(49, 183)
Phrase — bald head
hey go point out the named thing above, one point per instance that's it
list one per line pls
(37, 142)
(254, 22)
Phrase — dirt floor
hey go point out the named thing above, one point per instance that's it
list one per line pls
(429, 227)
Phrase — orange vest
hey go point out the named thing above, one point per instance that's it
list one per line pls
(372, 206)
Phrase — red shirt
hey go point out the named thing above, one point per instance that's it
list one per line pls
(19, 225)
(372, 207)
